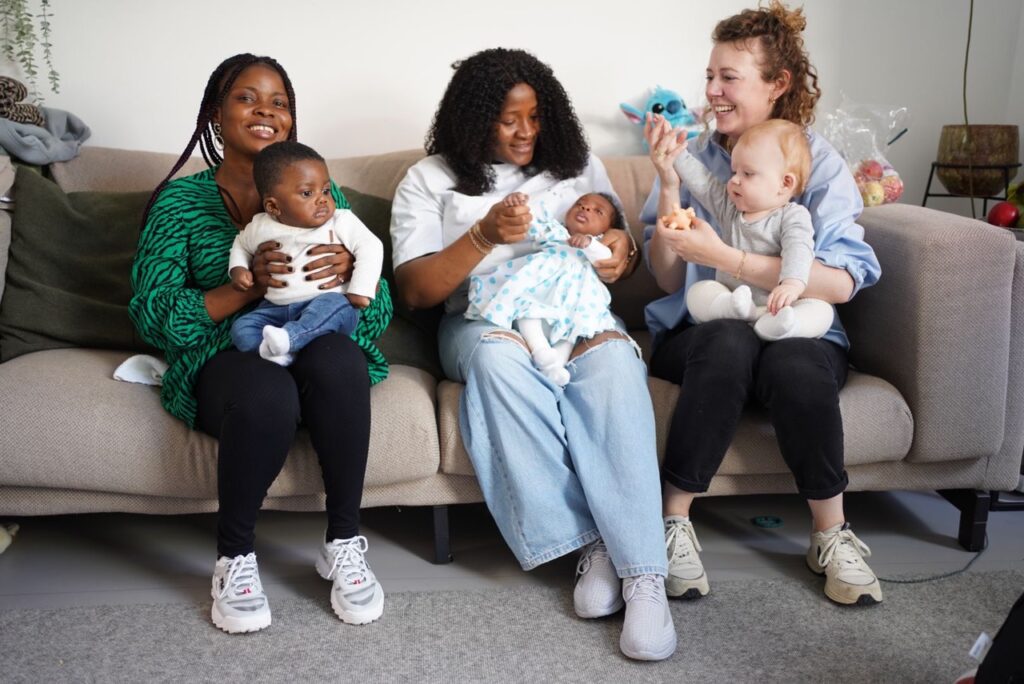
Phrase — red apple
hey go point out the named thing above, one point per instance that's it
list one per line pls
(893, 188)
(872, 169)
(1004, 214)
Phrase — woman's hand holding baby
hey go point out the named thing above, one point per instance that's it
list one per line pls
(336, 264)
(611, 269)
(267, 262)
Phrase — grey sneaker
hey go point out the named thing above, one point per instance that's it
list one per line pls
(598, 589)
(648, 632)
(686, 577)
(356, 597)
(239, 604)
(839, 555)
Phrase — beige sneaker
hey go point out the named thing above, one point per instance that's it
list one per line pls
(686, 577)
(839, 555)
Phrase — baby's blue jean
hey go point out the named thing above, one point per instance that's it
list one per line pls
(303, 321)
(560, 467)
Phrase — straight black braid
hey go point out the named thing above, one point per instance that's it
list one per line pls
(217, 88)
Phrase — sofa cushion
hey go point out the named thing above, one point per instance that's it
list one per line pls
(877, 423)
(77, 428)
(6, 181)
(71, 257)
(411, 337)
(67, 281)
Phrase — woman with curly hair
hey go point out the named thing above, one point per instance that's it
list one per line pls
(758, 70)
(561, 468)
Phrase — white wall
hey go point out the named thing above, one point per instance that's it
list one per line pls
(368, 75)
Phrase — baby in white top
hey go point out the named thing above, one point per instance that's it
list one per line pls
(299, 214)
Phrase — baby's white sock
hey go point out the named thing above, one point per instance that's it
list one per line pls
(743, 303)
(549, 362)
(777, 327)
(279, 359)
(276, 339)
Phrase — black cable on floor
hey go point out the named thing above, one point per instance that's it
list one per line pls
(943, 575)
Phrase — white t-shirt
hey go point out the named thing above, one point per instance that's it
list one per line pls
(344, 228)
(428, 215)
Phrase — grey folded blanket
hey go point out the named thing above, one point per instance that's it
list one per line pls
(58, 139)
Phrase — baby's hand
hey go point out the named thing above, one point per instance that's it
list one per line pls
(579, 240)
(241, 278)
(784, 294)
(516, 199)
(680, 219)
(359, 301)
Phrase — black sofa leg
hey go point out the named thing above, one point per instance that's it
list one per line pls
(442, 540)
(974, 506)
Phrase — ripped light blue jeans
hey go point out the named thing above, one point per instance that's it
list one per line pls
(558, 467)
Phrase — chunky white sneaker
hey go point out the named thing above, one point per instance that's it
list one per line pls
(839, 555)
(598, 589)
(239, 604)
(356, 597)
(648, 632)
(686, 577)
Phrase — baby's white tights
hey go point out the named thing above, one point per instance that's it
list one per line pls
(549, 359)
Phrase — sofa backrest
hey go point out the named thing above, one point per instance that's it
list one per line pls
(108, 169)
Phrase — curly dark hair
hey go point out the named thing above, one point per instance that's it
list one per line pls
(777, 30)
(464, 128)
(270, 163)
(217, 87)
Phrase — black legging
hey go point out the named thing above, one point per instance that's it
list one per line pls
(254, 407)
(721, 365)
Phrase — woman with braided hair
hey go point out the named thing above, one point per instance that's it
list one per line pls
(184, 304)
(758, 70)
(561, 467)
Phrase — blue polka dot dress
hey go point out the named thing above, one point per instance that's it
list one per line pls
(556, 284)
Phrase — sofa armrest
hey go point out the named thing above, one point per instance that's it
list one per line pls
(937, 326)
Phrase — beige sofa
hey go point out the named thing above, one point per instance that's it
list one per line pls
(936, 401)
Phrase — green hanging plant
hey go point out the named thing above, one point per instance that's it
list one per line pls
(23, 34)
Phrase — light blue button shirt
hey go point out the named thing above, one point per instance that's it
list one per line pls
(832, 198)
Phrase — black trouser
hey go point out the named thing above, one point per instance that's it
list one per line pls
(254, 407)
(721, 366)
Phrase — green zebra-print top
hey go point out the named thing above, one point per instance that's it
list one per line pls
(183, 252)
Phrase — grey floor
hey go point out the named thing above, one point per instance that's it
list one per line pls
(96, 559)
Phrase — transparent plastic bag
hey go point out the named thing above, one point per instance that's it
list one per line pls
(861, 133)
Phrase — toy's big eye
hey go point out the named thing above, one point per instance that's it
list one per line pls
(658, 108)
(674, 106)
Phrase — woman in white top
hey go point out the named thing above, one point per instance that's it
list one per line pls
(560, 468)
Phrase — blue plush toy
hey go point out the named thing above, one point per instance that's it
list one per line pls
(670, 105)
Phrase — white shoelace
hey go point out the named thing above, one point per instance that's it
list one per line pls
(349, 559)
(243, 574)
(596, 551)
(848, 550)
(646, 588)
(687, 541)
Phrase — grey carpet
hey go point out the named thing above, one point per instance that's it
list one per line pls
(772, 630)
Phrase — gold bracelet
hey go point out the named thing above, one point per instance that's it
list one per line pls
(476, 243)
(739, 269)
(478, 231)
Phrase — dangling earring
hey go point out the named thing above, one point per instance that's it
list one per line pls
(218, 139)
(771, 101)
